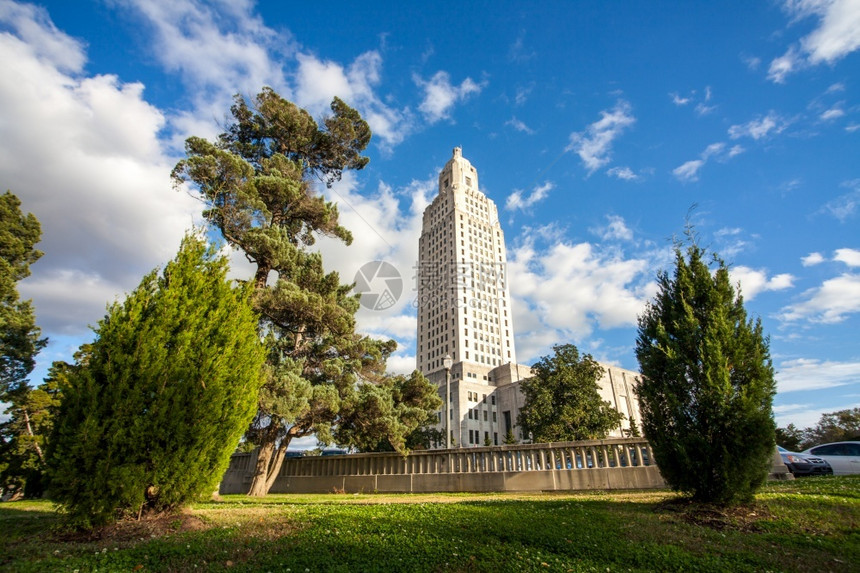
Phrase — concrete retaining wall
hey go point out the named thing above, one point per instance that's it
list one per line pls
(596, 464)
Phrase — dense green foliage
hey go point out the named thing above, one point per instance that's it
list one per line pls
(27, 412)
(19, 335)
(707, 389)
(23, 436)
(392, 415)
(256, 184)
(804, 525)
(154, 408)
(840, 426)
(562, 401)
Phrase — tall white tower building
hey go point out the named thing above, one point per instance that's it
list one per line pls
(464, 313)
(464, 304)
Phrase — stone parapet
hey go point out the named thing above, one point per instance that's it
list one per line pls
(625, 463)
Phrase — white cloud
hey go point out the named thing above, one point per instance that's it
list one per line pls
(850, 257)
(518, 52)
(108, 211)
(522, 94)
(678, 100)
(703, 109)
(44, 42)
(401, 364)
(594, 145)
(251, 55)
(845, 206)
(812, 259)
(519, 125)
(783, 65)
(831, 114)
(804, 415)
(188, 35)
(829, 303)
(836, 35)
(755, 281)
(759, 128)
(389, 224)
(318, 82)
(731, 242)
(615, 229)
(689, 171)
(814, 374)
(752, 62)
(517, 201)
(440, 95)
(713, 149)
(624, 173)
(597, 286)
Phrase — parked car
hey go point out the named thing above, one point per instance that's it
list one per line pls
(333, 452)
(843, 457)
(804, 464)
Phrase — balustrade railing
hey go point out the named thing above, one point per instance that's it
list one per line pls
(585, 455)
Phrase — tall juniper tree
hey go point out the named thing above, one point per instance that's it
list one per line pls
(256, 184)
(155, 406)
(707, 382)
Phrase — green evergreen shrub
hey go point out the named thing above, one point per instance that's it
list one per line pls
(156, 405)
(707, 383)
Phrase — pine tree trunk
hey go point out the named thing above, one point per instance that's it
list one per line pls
(277, 462)
(261, 276)
(259, 485)
(35, 442)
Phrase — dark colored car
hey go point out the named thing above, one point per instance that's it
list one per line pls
(333, 452)
(804, 464)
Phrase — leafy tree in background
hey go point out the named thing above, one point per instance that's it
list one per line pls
(255, 183)
(791, 438)
(23, 435)
(392, 415)
(19, 335)
(562, 400)
(154, 408)
(840, 426)
(707, 389)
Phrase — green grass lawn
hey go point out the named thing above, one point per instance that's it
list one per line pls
(802, 525)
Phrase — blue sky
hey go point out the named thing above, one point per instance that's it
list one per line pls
(595, 127)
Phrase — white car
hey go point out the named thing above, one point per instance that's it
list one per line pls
(843, 457)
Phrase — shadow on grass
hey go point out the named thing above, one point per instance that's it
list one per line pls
(529, 532)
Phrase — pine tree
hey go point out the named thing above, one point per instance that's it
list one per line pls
(153, 409)
(707, 386)
(562, 400)
(19, 335)
(394, 414)
(21, 431)
(256, 184)
(24, 434)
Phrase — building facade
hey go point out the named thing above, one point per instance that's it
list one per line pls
(464, 313)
